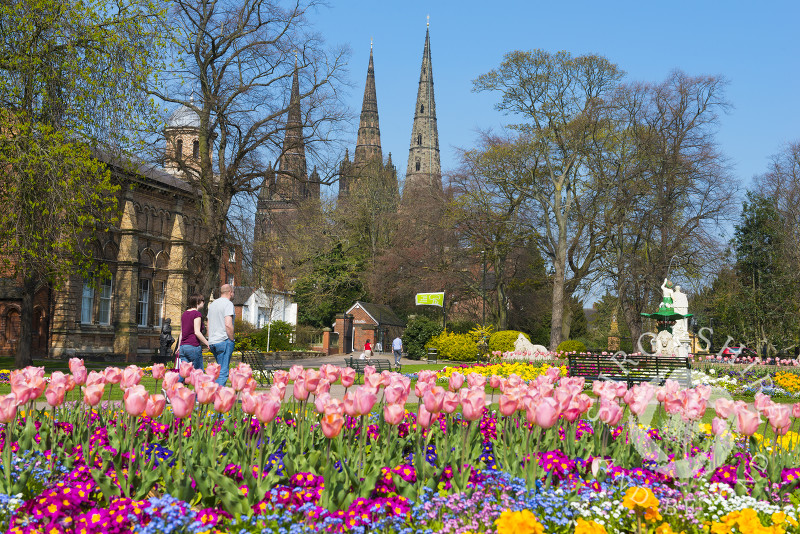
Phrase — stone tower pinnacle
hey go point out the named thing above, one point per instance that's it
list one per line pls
(368, 144)
(292, 177)
(424, 167)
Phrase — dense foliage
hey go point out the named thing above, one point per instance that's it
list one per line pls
(504, 340)
(419, 331)
(455, 347)
(279, 334)
(571, 345)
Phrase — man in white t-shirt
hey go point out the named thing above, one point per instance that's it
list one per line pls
(220, 330)
(397, 350)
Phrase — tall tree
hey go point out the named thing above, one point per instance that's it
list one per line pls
(72, 87)
(678, 189)
(234, 64)
(562, 101)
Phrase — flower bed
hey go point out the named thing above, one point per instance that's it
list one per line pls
(294, 459)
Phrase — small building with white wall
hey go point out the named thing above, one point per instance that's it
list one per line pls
(259, 307)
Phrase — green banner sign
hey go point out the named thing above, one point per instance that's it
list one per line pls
(430, 299)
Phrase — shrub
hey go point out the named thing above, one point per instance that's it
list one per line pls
(420, 330)
(461, 327)
(504, 340)
(455, 347)
(243, 327)
(571, 345)
(279, 333)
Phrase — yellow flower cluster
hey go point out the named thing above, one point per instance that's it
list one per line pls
(525, 371)
(788, 381)
(522, 522)
(640, 500)
(787, 442)
(747, 522)
(589, 527)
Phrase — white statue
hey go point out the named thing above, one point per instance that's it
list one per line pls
(522, 344)
(667, 290)
(665, 345)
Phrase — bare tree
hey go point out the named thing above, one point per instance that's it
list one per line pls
(234, 63)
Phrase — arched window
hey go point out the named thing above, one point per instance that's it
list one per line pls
(419, 139)
(196, 149)
(179, 149)
(418, 164)
(422, 108)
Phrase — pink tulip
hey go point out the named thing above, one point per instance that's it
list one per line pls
(638, 397)
(671, 388)
(514, 380)
(329, 372)
(323, 387)
(79, 376)
(348, 376)
(224, 400)
(421, 388)
(299, 389)
(131, 376)
(747, 421)
(250, 386)
(473, 404)
(508, 405)
(779, 416)
(267, 408)
(214, 369)
(171, 380)
(159, 370)
(451, 401)
(249, 403)
(69, 382)
(280, 377)
(238, 379)
(363, 400)
(394, 413)
(546, 412)
(245, 368)
(185, 369)
(135, 400)
(321, 402)
(58, 378)
(434, 399)
(694, 405)
(495, 381)
(762, 402)
(610, 412)
(349, 404)
(27, 384)
(206, 391)
(395, 393)
(183, 400)
(113, 375)
(75, 364)
(331, 424)
(95, 378)
(723, 407)
(456, 381)
(425, 418)
(374, 381)
(312, 378)
(475, 380)
(8, 408)
(93, 393)
(796, 409)
(295, 371)
(155, 406)
(278, 391)
(718, 426)
(55, 394)
(553, 373)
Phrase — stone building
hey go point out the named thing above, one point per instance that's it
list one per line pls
(366, 321)
(154, 257)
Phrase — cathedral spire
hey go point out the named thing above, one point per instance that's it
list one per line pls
(424, 167)
(368, 144)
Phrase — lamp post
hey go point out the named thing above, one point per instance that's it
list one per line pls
(483, 288)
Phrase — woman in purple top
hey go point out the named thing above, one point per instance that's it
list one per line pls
(189, 344)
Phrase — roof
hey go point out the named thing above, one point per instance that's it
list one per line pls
(382, 315)
(241, 294)
(183, 117)
(138, 166)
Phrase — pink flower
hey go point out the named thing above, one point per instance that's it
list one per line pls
(363, 400)
(55, 393)
(95, 378)
(131, 376)
(8, 408)
(451, 401)
(348, 376)
(331, 424)
(796, 409)
(27, 384)
(155, 406)
(224, 400)
(395, 393)
(75, 363)
(280, 377)
(58, 378)
(747, 421)
(135, 399)
(113, 375)
(185, 368)
(295, 371)
(299, 388)
(546, 412)
(321, 402)
(394, 413)
(610, 412)
(213, 369)
(329, 372)
(762, 402)
(323, 387)
(250, 386)
(718, 426)
(475, 380)
(79, 375)
(495, 381)
(238, 379)
(93, 393)
(553, 373)
(205, 391)
(473, 403)
(249, 403)
(171, 380)
(434, 399)
(267, 408)
(779, 416)
(312, 378)
(425, 418)
(724, 407)
(183, 400)
(670, 389)
(456, 381)
(278, 391)
(374, 381)
(508, 405)
(159, 370)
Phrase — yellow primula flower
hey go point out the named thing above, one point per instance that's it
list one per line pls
(641, 499)
(522, 522)
(589, 527)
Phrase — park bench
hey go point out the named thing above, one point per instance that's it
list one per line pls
(379, 365)
(262, 366)
(631, 369)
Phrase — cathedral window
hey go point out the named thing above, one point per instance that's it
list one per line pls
(179, 150)
(422, 108)
(196, 149)
(419, 139)
(418, 164)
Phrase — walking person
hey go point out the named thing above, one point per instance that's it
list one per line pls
(397, 350)
(192, 340)
(367, 350)
(220, 330)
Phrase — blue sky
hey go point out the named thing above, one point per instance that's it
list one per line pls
(755, 47)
